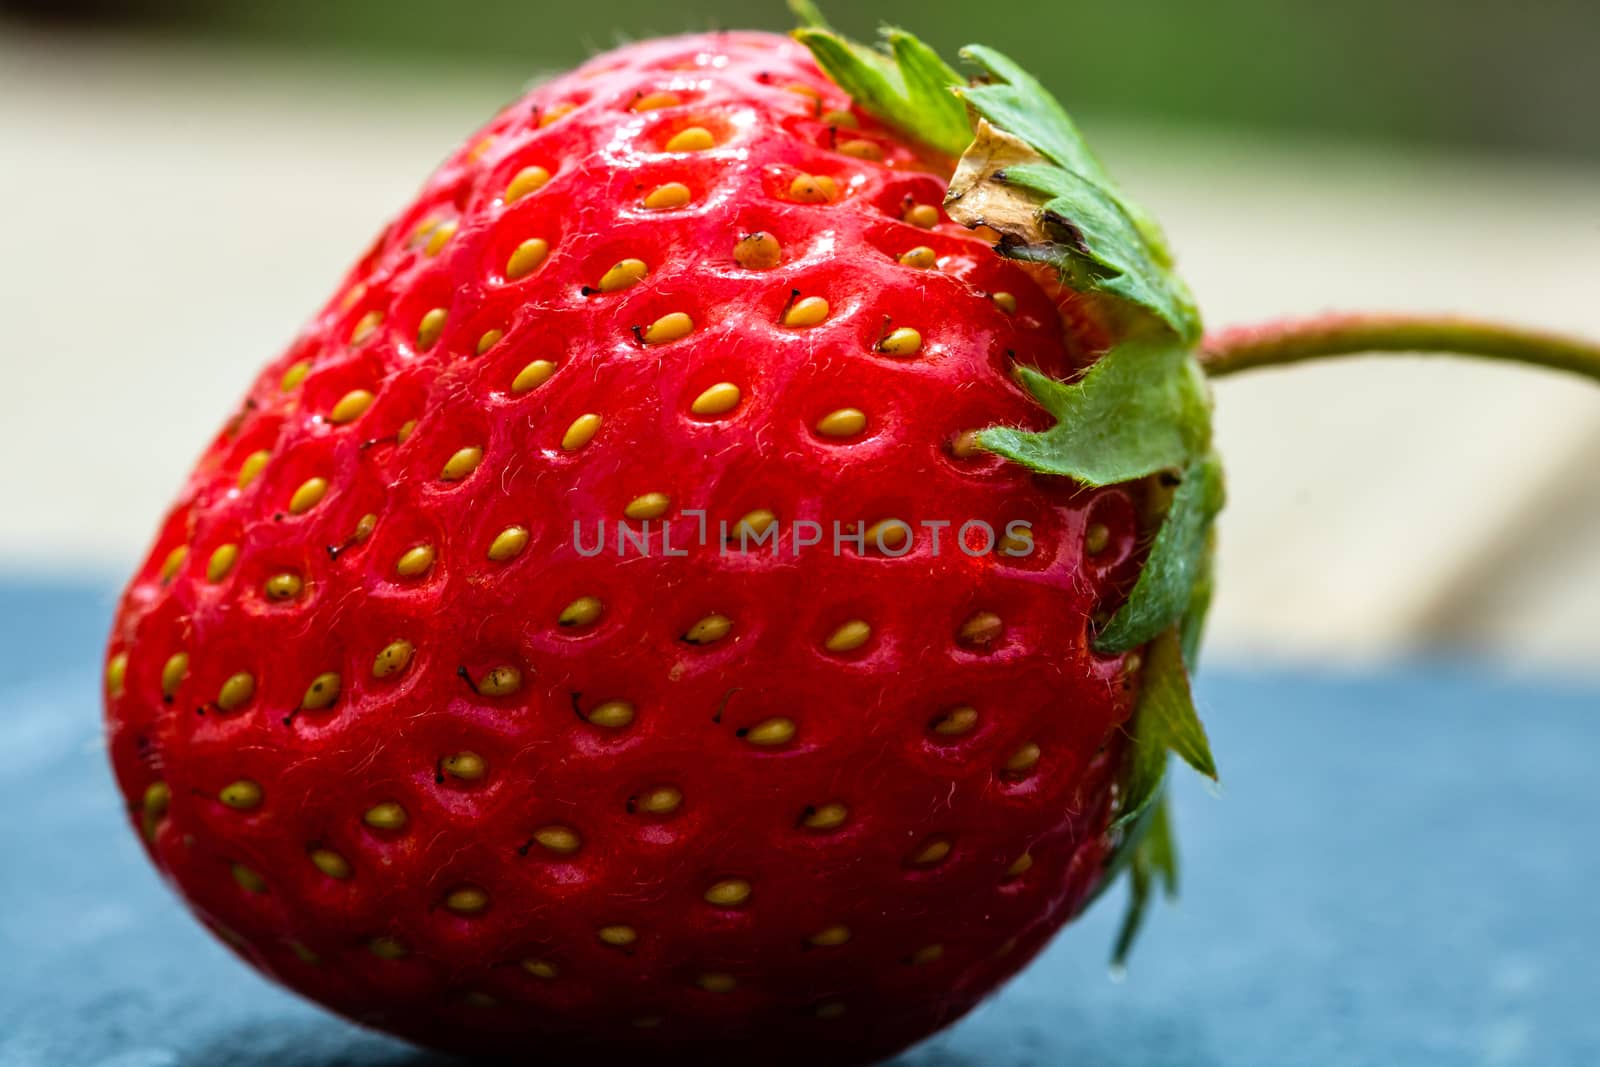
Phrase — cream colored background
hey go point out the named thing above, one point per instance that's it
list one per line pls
(171, 216)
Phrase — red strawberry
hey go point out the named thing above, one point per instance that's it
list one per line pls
(410, 744)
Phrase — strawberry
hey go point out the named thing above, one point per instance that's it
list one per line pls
(686, 592)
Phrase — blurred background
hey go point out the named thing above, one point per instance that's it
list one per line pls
(185, 180)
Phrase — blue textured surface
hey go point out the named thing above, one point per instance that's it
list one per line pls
(1400, 871)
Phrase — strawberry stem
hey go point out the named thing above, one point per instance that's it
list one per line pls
(1287, 341)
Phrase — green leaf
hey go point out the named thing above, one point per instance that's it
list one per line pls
(1162, 594)
(908, 86)
(1154, 855)
(1014, 101)
(1164, 721)
(1143, 407)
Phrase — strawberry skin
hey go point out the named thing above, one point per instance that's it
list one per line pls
(413, 748)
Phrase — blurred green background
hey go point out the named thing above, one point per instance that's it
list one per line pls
(1485, 74)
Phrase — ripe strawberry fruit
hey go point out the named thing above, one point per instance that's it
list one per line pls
(409, 743)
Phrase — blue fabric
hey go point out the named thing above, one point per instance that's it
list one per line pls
(1399, 871)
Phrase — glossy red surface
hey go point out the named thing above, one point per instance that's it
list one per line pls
(862, 718)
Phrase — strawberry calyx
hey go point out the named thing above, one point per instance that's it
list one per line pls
(1142, 410)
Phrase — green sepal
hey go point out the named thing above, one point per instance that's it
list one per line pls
(1164, 721)
(1161, 596)
(1191, 628)
(1154, 855)
(1014, 101)
(907, 86)
(1143, 407)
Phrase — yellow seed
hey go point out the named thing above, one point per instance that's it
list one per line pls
(322, 692)
(415, 561)
(902, 342)
(237, 691)
(927, 954)
(500, 681)
(956, 721)
(964, 445)
(1019, 866)
(1005, 302)
(508, 543)
(350, 407)
(807, 311)
(467, 766)
(477, 999)
(922, 257)
(670, 195)
(481, 149)
(467, 900)
(556, 111)
(581, 432)
(812, 189)
(173, 672)
(385, 816)
(527, 180)
(862, 149)
(364, 527)
(581, 612)
(718, 399)
(693, 139)
(980, 630)
(248, 880)
(753, 524)
(243, 795)
(540, 968)
(1023, 759)
(830, 1010)
(365, 326)
(285, 586)
(1019, 543)
(392, 658)
(648, 506)
(174, 560)
(404, 431)
(1132, 664)
(934, 850)
(804, 90)
(845, 422)
(488, 339)
(562, 840)
(668, 328)
(710, 629)
(429, 329)
(527, 257)
(841, 118)
(116, 674)
(304, 954)
(830, 936)
(757, 251)
(253, 465)
(662, 800)
(461, 464)
(717, 983)
(613, 714)
(618, 936)
(387, 948)
(157, 796)
(308, 496)
(654, 101)
(887, 535)
(352, 296)
(825, 817)
(728, 893)
(294, 375)
(441, 237)
(848, 637)
(532, 376)
(221, 562)
(627, 272)
(925, 216)
(771, 732)
(1096, 538)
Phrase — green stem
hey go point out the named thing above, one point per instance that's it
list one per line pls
(1350, 334)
